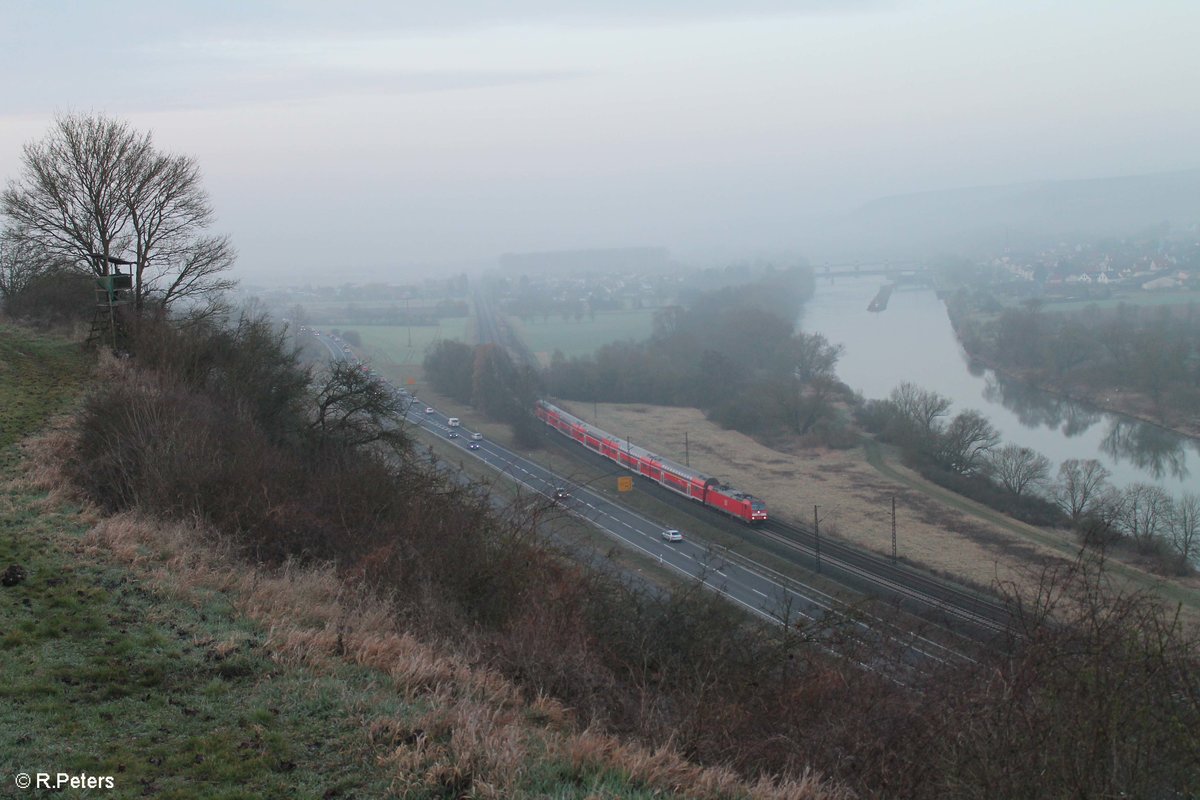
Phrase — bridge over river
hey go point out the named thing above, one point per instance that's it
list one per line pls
(911, 272)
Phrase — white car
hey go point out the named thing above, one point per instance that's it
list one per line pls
(428, 409)
(672, 535)
(476, 437)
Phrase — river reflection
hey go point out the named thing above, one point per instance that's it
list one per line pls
(913, 340)
(1036, 408)
(1156, 450)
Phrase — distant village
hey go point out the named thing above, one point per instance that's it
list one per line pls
(1097, 270)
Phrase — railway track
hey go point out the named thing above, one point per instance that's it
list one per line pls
(967, 613)
(953, 604)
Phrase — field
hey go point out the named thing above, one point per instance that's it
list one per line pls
(390, 343)
(935, 529)
(1146, 299)
(583, 337)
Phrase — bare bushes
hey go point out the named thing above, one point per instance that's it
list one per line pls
(1098, 696)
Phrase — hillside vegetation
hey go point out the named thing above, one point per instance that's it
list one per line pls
(262, 606)
(189, 660)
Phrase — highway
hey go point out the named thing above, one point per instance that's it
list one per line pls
(754, 587)
(964, 611)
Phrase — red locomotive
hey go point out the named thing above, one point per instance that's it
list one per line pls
(676, 477)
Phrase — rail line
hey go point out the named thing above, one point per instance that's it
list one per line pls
(956, 603)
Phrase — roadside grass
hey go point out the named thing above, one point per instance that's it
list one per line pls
(187, 676)
(585, 336)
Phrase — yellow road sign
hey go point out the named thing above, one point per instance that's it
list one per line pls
(625, 484)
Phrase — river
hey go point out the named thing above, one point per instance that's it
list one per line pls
(913, 340)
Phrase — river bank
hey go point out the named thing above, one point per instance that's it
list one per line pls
(1108, 399)
(1112, 400)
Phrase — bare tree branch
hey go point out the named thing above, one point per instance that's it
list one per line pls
(93, 185)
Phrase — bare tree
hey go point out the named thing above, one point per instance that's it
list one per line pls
(813, 357)
(1144, 512)
(72, 196)
(94, 185)
(356, 409)
(1080, 484)
(965, 443)
(168, 208)
(1101, 523)
(1183, 527)
(921, 407)
(21, 261)
(1018, 468)
(197, 272)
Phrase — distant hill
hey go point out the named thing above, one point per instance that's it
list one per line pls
(1025, 213)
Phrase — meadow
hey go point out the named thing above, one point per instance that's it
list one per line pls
(585, 336)
(399, 345)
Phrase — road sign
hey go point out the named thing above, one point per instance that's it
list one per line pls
(625, 484)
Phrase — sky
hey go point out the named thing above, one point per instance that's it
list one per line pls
(357, 140)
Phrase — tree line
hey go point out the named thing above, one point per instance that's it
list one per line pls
(486, 377)
(732, 352)
(965, 453)
(1151, 350)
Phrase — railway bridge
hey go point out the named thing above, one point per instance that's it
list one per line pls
(895, 271)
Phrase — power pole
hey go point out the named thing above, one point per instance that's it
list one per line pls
(893, 529)
(817, 534)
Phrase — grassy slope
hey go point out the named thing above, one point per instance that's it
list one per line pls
(101, 674)
(147, 657)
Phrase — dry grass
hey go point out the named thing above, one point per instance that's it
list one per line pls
(478, 736)
(663, 770)
(854, 499)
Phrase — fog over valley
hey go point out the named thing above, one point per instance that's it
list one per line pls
(387, 136)
(770, 400)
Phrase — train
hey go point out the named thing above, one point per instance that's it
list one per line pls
(680, 479)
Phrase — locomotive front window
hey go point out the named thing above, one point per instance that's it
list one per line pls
(758, 505)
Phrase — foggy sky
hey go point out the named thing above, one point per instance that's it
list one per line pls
(365, 137)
